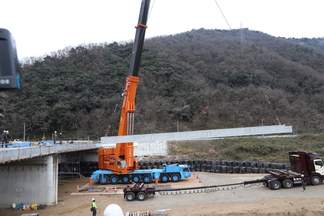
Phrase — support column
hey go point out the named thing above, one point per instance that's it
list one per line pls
(29, 181)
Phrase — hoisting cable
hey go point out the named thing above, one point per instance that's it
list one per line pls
(110, 121)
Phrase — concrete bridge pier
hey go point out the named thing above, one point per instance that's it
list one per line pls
(29, 181)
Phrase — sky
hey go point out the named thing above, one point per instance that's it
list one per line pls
(42, 27)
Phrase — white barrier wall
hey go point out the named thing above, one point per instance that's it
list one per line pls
(29, 181)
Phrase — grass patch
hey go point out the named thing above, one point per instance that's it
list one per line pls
(272, 149)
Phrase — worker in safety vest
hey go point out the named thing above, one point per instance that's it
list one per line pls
(93, 207)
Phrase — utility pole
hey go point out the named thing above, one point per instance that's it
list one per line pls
(242, 38)
(24, 131)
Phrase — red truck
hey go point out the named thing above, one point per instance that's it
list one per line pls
(304, 166)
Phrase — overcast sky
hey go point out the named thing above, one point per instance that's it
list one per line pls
(44, 26)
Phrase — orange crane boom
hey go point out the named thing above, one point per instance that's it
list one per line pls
(121, 160)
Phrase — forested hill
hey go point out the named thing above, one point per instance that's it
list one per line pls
(317, 43)
(197, 80)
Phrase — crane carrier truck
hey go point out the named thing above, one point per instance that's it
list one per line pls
(119, 164)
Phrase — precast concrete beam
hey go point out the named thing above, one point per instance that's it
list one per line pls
(202, 134)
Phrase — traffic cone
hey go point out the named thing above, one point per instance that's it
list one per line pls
(78, 188)
(115, 190)
(107, 189)
(200, 181)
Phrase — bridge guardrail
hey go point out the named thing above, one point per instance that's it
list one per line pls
(20, 153)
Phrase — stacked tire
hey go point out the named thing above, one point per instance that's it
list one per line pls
(221, 166)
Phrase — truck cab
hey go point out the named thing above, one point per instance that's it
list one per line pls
(318, 164)
(304, 166)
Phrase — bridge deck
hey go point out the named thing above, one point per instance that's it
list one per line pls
(18, 153)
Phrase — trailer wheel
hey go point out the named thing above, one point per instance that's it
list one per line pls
(130, 196)
(175, 177)
(114, 179)
(275, 185)
(287, 183)
(316, 180)
(141, 196)
(164, 178)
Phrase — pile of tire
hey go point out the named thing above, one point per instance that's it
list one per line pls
(219, 166)
(84, 168)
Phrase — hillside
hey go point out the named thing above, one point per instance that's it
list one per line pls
(202, 79)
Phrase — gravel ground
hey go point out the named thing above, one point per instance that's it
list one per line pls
(241, 201)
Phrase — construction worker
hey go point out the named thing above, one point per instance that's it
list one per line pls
(55, 136)
(60, 137)
(93, 207)
(303, 183)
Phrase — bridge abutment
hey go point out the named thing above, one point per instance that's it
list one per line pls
(29, 181)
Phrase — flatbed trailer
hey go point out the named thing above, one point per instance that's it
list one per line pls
(141, 192)
(306, 167)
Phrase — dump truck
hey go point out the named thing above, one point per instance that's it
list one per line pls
(304, 166)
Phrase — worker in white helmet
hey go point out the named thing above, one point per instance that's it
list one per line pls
(93, 207)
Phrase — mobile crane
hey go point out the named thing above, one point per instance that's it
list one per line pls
(119, 163)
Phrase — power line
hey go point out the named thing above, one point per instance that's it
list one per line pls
(223, 15)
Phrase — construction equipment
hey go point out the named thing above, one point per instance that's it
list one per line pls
(306, 167)
(141, 192)
(119, 163)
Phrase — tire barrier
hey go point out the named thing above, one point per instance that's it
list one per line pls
(84, 168)
(199, 165)
(221, 166)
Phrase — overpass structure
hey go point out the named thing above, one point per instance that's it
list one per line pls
(30, 174)
(8, 155)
